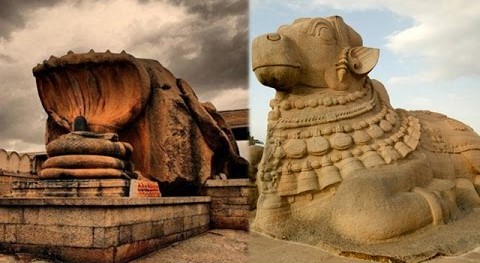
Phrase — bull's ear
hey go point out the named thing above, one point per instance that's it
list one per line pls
(362, 60)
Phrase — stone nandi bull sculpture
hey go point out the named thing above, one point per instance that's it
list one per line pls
(105, 109)
(337, 153)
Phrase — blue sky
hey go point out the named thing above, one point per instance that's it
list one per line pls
(428, 58)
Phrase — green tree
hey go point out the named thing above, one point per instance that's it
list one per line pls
(253, 141)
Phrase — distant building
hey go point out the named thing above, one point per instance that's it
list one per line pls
(238, 122)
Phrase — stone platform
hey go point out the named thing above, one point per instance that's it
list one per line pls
(86, 188)
(6, 182)
(99, 229)
(232, 201)
(265, 249)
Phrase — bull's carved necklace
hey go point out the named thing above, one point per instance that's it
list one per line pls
(316, 152)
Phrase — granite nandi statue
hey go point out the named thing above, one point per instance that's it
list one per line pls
(338, 156)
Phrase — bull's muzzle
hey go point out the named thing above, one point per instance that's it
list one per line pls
(275, 62)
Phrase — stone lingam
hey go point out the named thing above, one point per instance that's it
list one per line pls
(113, 116)
(344, 170)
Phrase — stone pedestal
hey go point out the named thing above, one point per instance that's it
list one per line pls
(86, 188)
(7, 180)
(99, 229)
(232, 201)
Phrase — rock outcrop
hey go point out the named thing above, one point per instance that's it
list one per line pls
(176, 140)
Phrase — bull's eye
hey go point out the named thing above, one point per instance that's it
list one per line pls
(321, 30)
(325, 34)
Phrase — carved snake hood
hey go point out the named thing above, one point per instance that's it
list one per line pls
(176, 140)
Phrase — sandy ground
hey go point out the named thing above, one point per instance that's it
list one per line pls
(240, 246)
(232, 246)
(218, 245)
(457, 241)
(221, 245)
(265, 249)
(214, 246)
(22, 258)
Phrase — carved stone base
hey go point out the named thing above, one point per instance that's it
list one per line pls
(232, 202)
(144, 188)
(99, 230)
(86, 188)
(6, 181)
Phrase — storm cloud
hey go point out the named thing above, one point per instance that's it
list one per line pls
(12, 14)
(203, 42)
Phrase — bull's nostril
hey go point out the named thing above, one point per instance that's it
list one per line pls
(273, 37)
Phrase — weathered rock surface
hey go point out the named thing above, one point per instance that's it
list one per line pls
(339, 162)
(16, 163)
(176, 140)
(255, 156)
(87, 155)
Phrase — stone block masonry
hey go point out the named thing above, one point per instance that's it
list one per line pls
(85, 188)
(99, 230)
(17, 167)
(232, 201)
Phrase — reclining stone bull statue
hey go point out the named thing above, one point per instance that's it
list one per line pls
(112, 114)
(337, 153)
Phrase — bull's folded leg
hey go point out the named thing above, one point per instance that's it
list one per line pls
(272, 214)
(467, 196)
(364, 212)
(386, 203)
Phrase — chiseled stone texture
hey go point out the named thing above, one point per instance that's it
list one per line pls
(16, 163)
(7, 182)
(217, 245)
(72, 188)
(177, 140)
(16, 167)
(340, 163)
(99, 230)
(232, 201)
(85, 188)
(265, 249)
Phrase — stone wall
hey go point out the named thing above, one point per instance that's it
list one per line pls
(84, 188)
(99, 230)
(7, 182)
(232, 202)
(237, 120)
(16, 163)
(21, 167)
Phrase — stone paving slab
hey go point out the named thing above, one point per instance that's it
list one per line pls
(265, 249)
(215, 246)
(221, 245)
(94, 201)
(23, 258)
(472, 256)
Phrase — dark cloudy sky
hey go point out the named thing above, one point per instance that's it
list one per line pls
(204, 42)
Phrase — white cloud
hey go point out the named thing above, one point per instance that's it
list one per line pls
(22, 146)
(445, 34)
(423, 76)
(420, 103)
(203, 42)
(99, 25)
(231, 99)
(70, 25)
